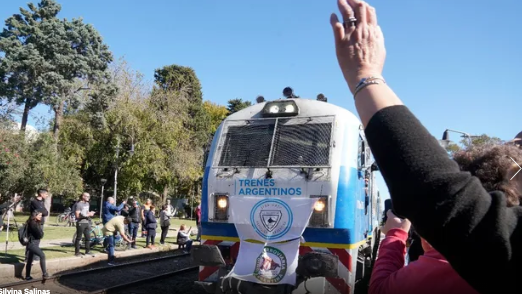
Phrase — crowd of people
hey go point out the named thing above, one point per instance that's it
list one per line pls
(120, 221)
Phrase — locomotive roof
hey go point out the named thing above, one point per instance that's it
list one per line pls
(307, 108)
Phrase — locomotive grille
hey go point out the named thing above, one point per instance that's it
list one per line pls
(279, 142)
(302, 142)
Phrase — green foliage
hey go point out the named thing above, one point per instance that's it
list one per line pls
(49, 60)
(235, 105)
(167, 153)
(13, 162)
(179, 78)
(476, 141)
(26, 166)
(217, 114)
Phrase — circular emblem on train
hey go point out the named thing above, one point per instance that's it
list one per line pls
(271, 266)
(271, 218)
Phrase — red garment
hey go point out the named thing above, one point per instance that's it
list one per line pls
(198, 214)
(430, 274)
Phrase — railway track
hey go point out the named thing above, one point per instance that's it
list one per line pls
(112, 279)
(179, 281)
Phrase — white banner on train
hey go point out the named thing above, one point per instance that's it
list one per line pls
(267, 264)
(270, 220)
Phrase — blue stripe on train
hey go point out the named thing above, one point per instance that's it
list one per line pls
(204, 197)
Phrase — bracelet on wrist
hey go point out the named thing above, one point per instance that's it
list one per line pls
(365, 82)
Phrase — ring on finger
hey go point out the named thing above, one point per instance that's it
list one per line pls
(351, 22)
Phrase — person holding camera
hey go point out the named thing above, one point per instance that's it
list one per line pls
(164, 223)
(83, 224)
(390, 275)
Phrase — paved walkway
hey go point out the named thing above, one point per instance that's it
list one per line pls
(173, 231)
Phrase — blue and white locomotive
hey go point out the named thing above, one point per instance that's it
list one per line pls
(293, 148)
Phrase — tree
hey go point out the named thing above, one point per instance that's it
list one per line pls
(13, 162)
(476, 141)
(217, 114)
(181, 79)
(8, 110)
(235, 105)
(50, 60)
(175, 84)
(177, 78)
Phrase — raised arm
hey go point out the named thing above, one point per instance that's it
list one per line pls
(476, 231)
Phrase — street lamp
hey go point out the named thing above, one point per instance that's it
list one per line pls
(445, 142)
(103, 182)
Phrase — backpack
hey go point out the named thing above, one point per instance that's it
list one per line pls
(23, 235)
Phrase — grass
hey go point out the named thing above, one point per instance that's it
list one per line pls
(55, 231)
(17, 255)
(50, 233)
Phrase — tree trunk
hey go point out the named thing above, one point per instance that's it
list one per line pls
(25, 116)
(47, 202)
(164, 195)
(58, 115)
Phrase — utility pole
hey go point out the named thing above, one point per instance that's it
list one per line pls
(116, 169)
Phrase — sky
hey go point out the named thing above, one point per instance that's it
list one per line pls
(455, 64)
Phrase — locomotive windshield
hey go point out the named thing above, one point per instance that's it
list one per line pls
(297, 142)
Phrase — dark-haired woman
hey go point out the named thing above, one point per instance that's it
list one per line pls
(35, 234)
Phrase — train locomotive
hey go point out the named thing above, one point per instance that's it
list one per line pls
(292, 148)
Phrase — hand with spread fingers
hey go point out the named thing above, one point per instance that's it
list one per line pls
(359, 42)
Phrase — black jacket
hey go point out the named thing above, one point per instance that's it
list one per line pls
(134, 214)
(475, 230)
(38, 205)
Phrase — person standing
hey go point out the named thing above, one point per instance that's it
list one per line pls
(134, 222)
(83, 224)
(198, 222)
(144, 209)
(164, 223)
(110, 210)
(116, 224)
(35, 233)
(150, 225)
(38, 204)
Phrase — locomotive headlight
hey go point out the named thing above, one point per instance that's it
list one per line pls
(280, 108)
(319, 205)
(320, 218)
(222, 202)
(274, 109)
(221, 207)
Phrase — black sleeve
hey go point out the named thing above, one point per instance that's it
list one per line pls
(34, 206)
(473, 229)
